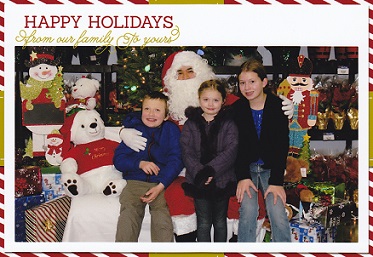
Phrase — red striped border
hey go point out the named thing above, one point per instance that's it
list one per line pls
(116, 2)
(110, 2)
(79, 1)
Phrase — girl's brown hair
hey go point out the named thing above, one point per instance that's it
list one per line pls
(253, 65)
(213, 84)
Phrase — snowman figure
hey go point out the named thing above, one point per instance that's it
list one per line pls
(54, 148)
(42, 96)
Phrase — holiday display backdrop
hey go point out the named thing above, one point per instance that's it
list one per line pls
(139, 72)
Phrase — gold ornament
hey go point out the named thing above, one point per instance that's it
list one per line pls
(338, 119)
(355, 197)
(323, 119)
(48, 225)
(353, 117)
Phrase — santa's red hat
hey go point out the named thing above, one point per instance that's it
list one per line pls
(182, 58)
(167, 65)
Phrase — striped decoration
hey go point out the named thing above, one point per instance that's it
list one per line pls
(239, 2)
(46, 222)
(157, 2)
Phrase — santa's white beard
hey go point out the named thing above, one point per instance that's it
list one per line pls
(297, 97)
(182, 94)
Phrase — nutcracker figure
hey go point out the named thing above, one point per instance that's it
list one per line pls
(298, 87)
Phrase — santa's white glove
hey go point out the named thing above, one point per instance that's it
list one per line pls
(287, 106)
(132, 138)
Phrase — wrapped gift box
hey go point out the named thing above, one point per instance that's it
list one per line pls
(337, 213)
(21, 205)
(46, 222)
(52, 186)
(330, 234)
(324, 192)
(28, 181)
(304, 232)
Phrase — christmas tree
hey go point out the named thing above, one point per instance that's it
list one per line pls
(305, 152)
(141, 73)
(142, 68)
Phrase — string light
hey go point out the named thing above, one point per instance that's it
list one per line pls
(147, 68)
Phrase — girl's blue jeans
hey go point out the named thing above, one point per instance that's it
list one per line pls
(280, 227)
(211, 212)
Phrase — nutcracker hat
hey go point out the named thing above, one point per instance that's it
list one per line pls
(41, 54)
(301, 66)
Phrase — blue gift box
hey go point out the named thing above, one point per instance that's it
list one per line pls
(52, 186)
(304, 232)
(21, 205)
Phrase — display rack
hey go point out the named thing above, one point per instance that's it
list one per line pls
(107, 74)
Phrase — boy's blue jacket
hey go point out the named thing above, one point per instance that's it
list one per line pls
(162, 148)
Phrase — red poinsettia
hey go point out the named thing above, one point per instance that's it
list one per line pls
(342, 94)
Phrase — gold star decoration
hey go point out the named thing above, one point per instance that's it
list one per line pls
(33, 56)
(306, 138)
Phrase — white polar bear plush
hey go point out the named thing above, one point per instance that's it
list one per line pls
(87, 168)
(83, 94)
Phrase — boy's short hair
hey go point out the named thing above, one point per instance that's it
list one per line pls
(158, 95)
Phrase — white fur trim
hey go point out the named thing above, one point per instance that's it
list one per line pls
(184, 224)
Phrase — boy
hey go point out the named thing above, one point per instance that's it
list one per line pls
(148, 172)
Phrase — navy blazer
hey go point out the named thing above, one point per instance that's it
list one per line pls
(272, 146)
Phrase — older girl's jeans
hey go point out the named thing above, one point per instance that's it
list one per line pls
(211, 212)
(280, 228)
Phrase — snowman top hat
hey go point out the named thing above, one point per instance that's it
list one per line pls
(41, 54)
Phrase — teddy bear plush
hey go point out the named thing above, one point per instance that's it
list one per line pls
(83, 95)
(296, 192)
(87, 168)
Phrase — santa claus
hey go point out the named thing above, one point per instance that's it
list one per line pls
(182, 74)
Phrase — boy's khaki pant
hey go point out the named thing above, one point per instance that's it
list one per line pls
(132, 212)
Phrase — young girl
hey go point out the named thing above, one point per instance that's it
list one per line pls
(209, 143)
(263, 149)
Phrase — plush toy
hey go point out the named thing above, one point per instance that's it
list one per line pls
(295, 191)
(87, 167)
(53, 152)
(83, 95)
